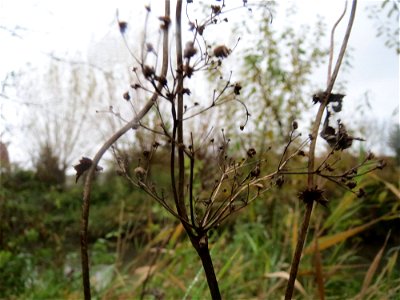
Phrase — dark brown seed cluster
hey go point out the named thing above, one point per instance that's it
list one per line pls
(311, 195)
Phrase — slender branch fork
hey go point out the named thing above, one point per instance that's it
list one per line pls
(310, 182)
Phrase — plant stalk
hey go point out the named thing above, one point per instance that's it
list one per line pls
(310, 182)
(201, 246)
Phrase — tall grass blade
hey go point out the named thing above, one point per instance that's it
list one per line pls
(285, 275)
(331, 240)
(372, 270)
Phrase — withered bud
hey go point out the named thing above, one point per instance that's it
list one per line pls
(333, 98)
(360, 193)
(222, 51)
(190, 50)
(216, 9)
(186, 91)
(192, 26)
(149, 47)
(126, 96)
(295, 125)
(84, 164)
(140, 173)
(311, 195)
(241, 127)
(280, 181)
(122, 26)
(318, 97)
(200, 29)
(236, 88)
(301, 153)
(256, 171)
(165, 21)
(148, 71)
(251, 152)
(135, 86)
(188, 70)
(161, 79)
(351, 184)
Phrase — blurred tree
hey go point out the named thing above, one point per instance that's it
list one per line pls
(48, 169)
(61, 104)
(4, 158)
(386, 17)
(394, 141)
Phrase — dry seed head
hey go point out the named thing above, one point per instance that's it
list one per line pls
(140, 172)
(126, 96)
(222, 51)
(190, 50)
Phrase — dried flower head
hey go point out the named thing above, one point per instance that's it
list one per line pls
(149, 47)
(122, 26)
(135, 86)
(148, 71)
(190, 50)
(251, 152)
(222, 51)
(140, 173)
(165, 21)
(351, 184)
(311, 195)
(216, 9)
(84, 164)
(188, 70)
(236, 88)
(280, 181)
(126, 96)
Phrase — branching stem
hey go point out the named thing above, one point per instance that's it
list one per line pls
(307, 214)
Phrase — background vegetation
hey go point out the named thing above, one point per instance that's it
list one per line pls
(137, 247)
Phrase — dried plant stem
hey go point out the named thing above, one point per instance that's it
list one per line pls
(199, 238)
(133, 124)
(310, 182)
(179, 118)
(331, 51)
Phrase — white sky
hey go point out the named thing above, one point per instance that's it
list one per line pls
(65, 27)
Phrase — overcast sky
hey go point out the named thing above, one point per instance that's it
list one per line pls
(30, 29)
